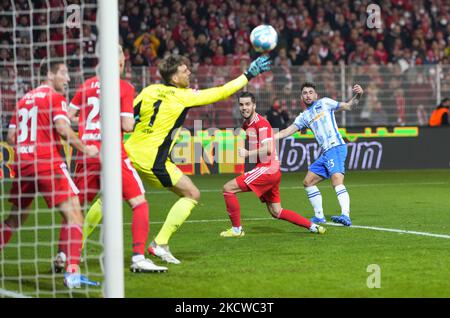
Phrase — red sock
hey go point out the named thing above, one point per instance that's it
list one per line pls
(74, 244)
(233, 208)
(5, 234)
(295, 218)
(63, 237)
(140, 228)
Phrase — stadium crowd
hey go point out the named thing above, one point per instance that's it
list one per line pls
(321, 34)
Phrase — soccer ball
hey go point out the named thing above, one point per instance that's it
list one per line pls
(264, 38)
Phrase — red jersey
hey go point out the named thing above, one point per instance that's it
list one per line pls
(37, 141)
(87, 101)
(259, 131)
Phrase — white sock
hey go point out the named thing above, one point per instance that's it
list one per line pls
(313, 227)
(344, 199)
(315, 197)
(137, 258)
(237, 229)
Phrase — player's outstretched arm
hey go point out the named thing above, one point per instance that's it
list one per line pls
(358, 91)
(286, 132)
(65, 131)
(258, 66)
(208, 96)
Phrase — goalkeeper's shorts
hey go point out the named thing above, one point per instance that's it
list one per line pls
(164, 175)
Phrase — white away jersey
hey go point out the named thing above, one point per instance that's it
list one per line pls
(319, 117)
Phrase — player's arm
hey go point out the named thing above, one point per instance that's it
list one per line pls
(262, 152)
(358, 91)
(190, 97)
(73, 111)
(12, 131)
(127, 122)
(11, 137)
(63, 128)
(62, 125)
(73, 115)
(127, 93)
(286, 132)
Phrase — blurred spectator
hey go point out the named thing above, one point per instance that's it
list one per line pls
(401, 106)
(378, 116)
(422, 116)
(147, 45)
(277, 116)
(439, 116)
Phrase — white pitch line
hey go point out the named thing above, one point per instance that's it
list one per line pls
(301, 187)
(11, 294)
(373, 228)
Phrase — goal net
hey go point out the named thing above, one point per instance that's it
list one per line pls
(33, 33)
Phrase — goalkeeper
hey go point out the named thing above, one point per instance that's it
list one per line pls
(160, 111)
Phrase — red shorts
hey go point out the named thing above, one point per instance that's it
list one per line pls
(54, 183)
(265, 185)
(87, 178)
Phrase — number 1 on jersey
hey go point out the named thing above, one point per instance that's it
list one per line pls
(155, 112)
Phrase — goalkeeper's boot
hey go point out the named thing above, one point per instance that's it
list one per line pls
(59, 263)
(317, 229)
(163, 252)
(140, 264)
(232, 233)
(76, 280)
(342, 219)
(317, 220)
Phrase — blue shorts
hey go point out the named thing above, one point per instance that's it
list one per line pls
(330, 162)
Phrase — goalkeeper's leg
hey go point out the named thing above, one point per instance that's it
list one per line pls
(92, 219)
(180, 211)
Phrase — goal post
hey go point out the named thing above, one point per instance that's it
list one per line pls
(111, 136)
(69, 32)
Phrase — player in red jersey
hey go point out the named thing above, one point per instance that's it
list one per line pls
(35, 129)
(85, 108)
(264, 179)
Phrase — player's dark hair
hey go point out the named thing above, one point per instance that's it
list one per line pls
(46, 66)
(247, 94)
(169, 66)
(308, 84)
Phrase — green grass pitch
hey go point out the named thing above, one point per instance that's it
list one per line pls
(276, 258)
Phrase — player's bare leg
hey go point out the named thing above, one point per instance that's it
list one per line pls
(69, 235)
(140, 229)
(180, 211)
(337, 180)
(314, 196)
(73, 234)
(234, 211)
(15, 219)
(278, 212)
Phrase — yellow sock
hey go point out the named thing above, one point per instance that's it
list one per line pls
(92, 219)
(177, 215)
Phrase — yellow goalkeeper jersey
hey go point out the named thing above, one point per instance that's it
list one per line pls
(160, 111)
